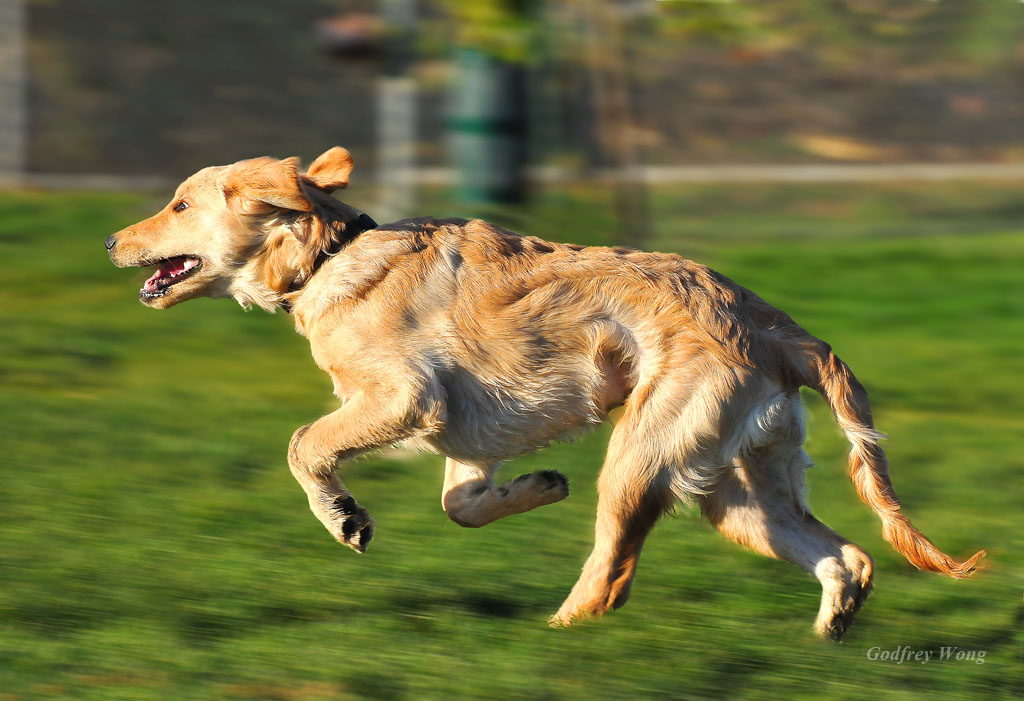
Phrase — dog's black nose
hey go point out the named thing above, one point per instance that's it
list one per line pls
(109, 243)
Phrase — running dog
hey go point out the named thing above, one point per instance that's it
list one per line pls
(479, 344)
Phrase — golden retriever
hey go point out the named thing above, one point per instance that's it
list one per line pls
(480, 344)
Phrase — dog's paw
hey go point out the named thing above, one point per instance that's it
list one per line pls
(560, 620)
(835, 628)
(351, 524)
(554, 480)
(566, 618)
(556, 485)
(834, 624)
(549, 486)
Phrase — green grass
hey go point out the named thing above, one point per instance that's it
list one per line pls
(154, 546)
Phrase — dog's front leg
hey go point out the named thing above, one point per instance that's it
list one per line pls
(364, 423)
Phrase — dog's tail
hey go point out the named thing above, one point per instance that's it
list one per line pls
(820, 369)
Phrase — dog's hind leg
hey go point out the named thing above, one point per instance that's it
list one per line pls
(759, 504)
(471, 499)
(633, 493)
(365, 423)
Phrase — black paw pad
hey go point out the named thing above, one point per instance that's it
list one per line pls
(554, 478)
(346, 506)
(349, 528)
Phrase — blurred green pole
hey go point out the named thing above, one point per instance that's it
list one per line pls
(487, 121)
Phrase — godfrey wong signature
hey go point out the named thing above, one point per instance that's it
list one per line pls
(905, 653)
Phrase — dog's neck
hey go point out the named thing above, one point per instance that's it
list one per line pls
(273, 287)
(364, 222)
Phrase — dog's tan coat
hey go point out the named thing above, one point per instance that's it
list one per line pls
(480, 344)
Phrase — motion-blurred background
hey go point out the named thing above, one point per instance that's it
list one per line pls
(858, 164)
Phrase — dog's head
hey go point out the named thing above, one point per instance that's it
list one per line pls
(252, 230)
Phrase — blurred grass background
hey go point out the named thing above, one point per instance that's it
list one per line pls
(154, 546)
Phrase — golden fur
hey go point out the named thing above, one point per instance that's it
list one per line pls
(480, 344)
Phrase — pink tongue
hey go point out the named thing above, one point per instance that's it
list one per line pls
(166, 269)
(172, 266)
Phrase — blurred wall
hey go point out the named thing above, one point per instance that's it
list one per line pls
(144, 87)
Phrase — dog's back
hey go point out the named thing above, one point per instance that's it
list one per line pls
(515, 328)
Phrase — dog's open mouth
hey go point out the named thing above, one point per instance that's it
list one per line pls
(170, 271)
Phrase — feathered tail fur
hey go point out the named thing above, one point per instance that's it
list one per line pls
(868, 468)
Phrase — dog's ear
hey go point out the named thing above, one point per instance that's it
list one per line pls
(262, 185)
(330, 171)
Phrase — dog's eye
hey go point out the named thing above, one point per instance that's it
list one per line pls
(181, 206)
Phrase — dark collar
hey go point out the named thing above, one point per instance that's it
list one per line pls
(364, 222)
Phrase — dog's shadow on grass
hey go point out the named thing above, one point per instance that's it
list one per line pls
(474, 603)
(997, 638)
(490, 606)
